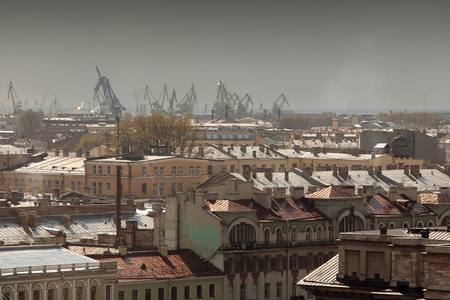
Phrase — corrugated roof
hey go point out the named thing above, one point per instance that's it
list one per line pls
(177, 264)
(434, 198)
(379, 205)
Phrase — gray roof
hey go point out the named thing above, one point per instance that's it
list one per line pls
(81, 226)
(32, 259)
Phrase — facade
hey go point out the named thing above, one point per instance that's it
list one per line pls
(52, 272)
(385, 264)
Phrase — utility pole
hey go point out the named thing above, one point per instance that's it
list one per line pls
(424, 95)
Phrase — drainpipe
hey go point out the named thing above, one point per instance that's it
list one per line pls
(118, 204)
(287, 260)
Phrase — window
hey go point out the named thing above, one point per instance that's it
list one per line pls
(180, 187)
(191, 170)
(294, 262)
(210, 170)
(21, 295)
(267, 290)
(232, 168)
(79, 186)
(351, 223)
(294, 289)
(180, 170)
(308, 234)
(72, 186)
(320, 258)
(212, 290)
(108, 170)
(121, 295)
(36, 295)
(199, 170)
(199, 291)
(148, 294)
(279, 236)
(155, 189)
(80, 293)
(94, 170)
(94, 188)
(293, 234)
(174, 293)
(155, 171)
(230, 266)
(100, 190)
(187, 292)
(242, 233)
(320, 234)
(310, 260)
(272, 167)
(279, 286)
(144, 189)
(279, 262)
(267, 266)
(108, 292)
(162, 171)
(255, 264)
(51, 294)
(7, 296)
(161, 294)
(174, 188)
(108, 187)
(255, 291)
(144, 171)
(174, 171)
(93, 293)
(267, 236)
(162, 189)
(134, 295)
(100, 171)
(242, 292)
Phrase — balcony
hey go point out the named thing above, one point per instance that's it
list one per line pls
(244, 246)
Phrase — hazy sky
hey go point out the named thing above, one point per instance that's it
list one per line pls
(323, 55)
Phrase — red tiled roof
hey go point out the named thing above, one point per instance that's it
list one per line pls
(281, 209)
(433, 198)
(380, 205)
(332, 192)
(152, 266)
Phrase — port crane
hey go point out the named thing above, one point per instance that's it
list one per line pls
(188, 102)
(104, 94)
(17, 105)
(172, 100)
(243, 105)
(279, 104)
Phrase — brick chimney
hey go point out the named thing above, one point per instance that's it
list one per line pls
(246, 170)
(244, 148)
(307, 172)
(65, 220)
(297, 192)
(343, 171)
(378, 171)
(255, 173)
(406, 170)
(65, 152)
(335, 171)
(32, 218)
(23, 218)
(268, 174)
(279, 192)
(415, 170)
(370, 170)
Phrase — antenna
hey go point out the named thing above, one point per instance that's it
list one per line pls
(424, 95)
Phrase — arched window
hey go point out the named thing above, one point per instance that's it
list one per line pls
(293, 234)
(406, 225)
(267, 236)
(242, 233)
(308, 233)
(351, 223)
(319, 233)
(420, 224)
(330, 232)
(279, 234)
(391, 225)
(445, 221)
(430, 223)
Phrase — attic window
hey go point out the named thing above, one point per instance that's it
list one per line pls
(144, 267)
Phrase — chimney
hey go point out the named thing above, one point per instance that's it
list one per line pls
(66, 153)
(268, 174)
(220, 146)
(415, 171)
(244, 148)
(162, 250)
(254, 154)
(324, 150)
(23, 218)
(265, 198)
(286, 176)
(65, 220)
(401, 166)
(229, 150)
(32, 216)
(307, 172)
(246, 169)
(130, 229)
(335, 171)
(87, 154)
(267, 151)
(297, 148)
(447, 169)
(296, 192)
(279, 192)
(60, 238)
(370, 170)
(343, 171)
(393, 194)
(312, 189)
(406, 170)
(78, 152)
(425, 233)
(212, 196)
(261, 148)
(255, 173)
(232, 147)
(201, 151)
(56, 152)
(122, 250)
(378, 171)
(365, 191)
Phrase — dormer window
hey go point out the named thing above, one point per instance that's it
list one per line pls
(242, 233)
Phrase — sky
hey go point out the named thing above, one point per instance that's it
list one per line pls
(323, 55)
